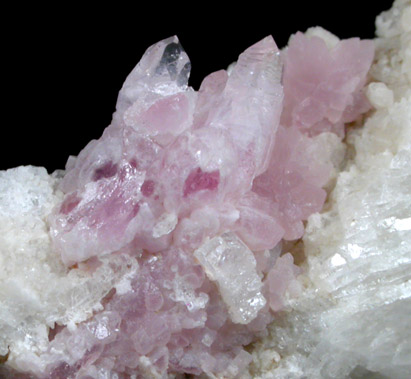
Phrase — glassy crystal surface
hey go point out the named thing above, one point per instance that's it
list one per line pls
(171, 244)
(230, 263)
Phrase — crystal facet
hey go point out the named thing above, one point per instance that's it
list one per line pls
(230, 263)
(171, 245)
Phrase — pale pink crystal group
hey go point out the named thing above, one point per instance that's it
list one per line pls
(199, 188)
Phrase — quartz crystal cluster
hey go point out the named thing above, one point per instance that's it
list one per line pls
(163, 248)
(353, 318)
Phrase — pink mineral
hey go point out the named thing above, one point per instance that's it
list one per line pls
(323, 85)
(198, 189)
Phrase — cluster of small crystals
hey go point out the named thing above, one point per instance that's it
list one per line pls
(29, 304)
(199, 189)
(354, 320)
(323, 79)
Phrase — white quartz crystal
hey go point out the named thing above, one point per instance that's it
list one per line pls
(229, 262)
(379, 95)
(165, 225)
(330, 39)
(36, 289)
(353, 319)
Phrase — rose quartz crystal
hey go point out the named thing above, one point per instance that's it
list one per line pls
(323, 85)
(199, 188)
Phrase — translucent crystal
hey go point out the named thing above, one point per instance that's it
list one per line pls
(353, 318)
(230, 263)
(158, 251)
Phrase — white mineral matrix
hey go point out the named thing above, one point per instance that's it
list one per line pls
(172, 245)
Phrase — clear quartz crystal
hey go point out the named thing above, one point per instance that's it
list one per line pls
(229, 262)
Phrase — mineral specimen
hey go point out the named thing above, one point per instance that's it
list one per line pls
(323, 80)
(352, 320)
(162, 248)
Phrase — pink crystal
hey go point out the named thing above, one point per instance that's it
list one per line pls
(199, 188)
(292, 184)
(198, 180)
(322, 85)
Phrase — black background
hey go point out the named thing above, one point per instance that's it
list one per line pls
(64, 66)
